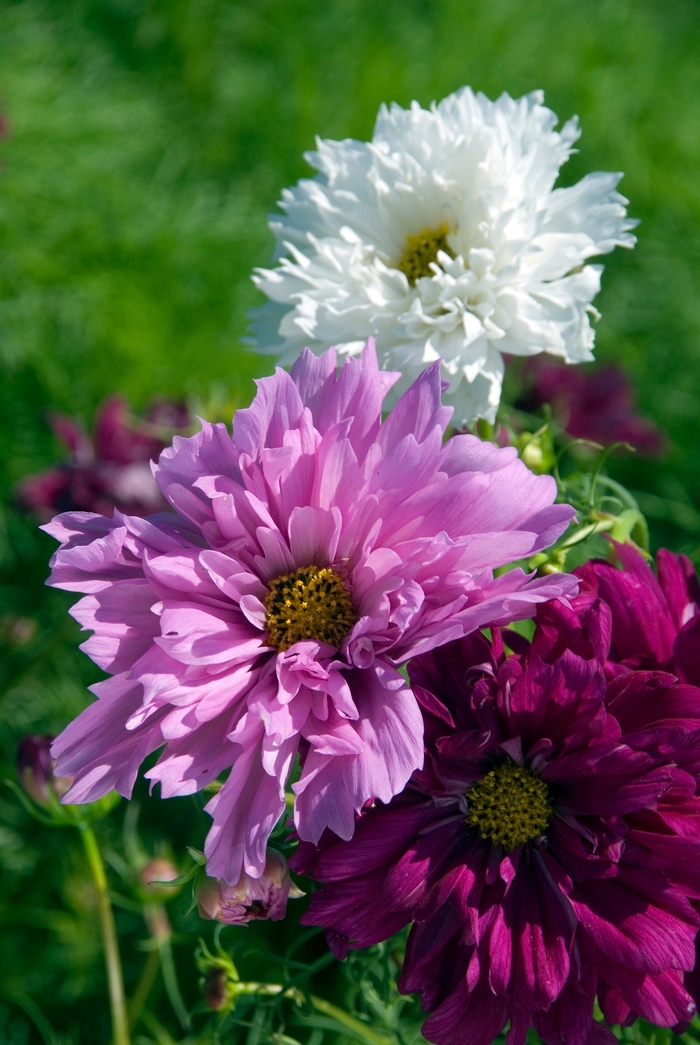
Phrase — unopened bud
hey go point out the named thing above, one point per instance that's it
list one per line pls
(154, 876)
(35, 768)
(249, 898)
(537, 450)
(216, 989)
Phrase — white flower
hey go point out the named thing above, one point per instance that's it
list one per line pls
(444, 238)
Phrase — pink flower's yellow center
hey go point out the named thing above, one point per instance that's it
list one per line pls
(510, 806)
(421, 250)
(311, 603)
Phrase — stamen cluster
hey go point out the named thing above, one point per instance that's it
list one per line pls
(510, 806)
(421, 252)
(311, 603)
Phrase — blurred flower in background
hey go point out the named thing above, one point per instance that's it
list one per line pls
(111, 470)
(596, 405)
(35, 769)
(445, 238)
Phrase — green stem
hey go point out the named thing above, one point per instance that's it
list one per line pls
(144, 987)
(120, 1025)
(158, 924)
(171, 985)
(360, 1029)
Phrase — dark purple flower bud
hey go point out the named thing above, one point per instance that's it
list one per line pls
(35, 768)
(216, 992)
(249, 898)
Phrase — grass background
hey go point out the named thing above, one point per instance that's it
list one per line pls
(147, 140)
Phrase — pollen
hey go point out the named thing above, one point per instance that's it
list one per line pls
(510, 806)
(311, 603)
(421, 250)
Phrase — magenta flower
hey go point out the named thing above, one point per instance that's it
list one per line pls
(113, 470)
(547, 852)
(655, 619)
(591, 404)
(311, 555)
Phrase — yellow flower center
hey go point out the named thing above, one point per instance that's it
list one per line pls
(510, 806)
(421, 249)
(311, 603)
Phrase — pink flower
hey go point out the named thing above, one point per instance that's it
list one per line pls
(309, 557)
(250, 898)
(111, 470)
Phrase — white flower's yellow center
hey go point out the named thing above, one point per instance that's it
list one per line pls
(311, 603)
(421, 250)
(510, 806)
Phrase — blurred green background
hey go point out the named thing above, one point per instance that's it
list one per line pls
(146, 142)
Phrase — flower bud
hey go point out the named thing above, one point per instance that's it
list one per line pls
(249, 898)
(216, 989)
(153, 877)
(537, 451)
(35, 768)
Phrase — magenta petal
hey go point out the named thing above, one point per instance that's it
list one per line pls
(358, 914)
(661, 999)
(625, 924)
(467, 1017)
(679, 583)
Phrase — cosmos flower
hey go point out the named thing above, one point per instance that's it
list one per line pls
(250, 898)
(548, 851)
(596, 405)
(655, 619)
(445, 238)
(307, 558)
(113, 470)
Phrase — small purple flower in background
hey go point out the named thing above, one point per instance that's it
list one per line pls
(548, 851)
(590, 404)
(655, 619)
(309, 556)
(111, 471)
(250, 898)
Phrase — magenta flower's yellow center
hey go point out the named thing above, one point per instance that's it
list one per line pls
(510, 806)
(421, 250)
(311, 603)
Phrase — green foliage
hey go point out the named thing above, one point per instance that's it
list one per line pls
(147, 141)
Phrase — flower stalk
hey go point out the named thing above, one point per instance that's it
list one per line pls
(115, 980)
